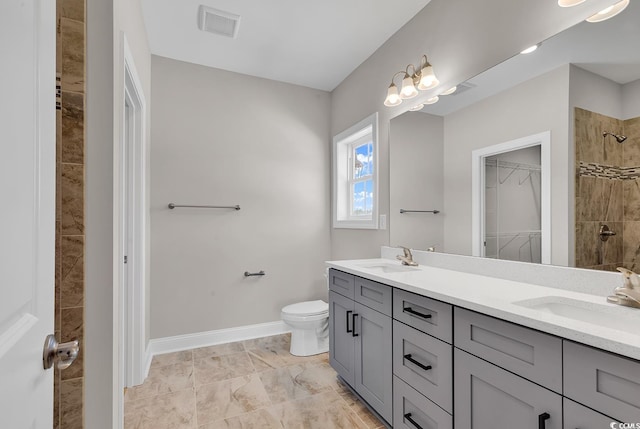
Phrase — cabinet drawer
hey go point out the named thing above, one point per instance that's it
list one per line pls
(374, 295)
(341, 283)
(422, 313)
(528, 353)
(488, 397)
(578, 417)
(412, 350)
(409, 405)
(602, 381)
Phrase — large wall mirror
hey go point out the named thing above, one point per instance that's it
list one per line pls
(576, 87)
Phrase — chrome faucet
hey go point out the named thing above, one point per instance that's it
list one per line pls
(628, 294)
(407, 259)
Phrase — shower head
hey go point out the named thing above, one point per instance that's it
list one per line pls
(619, 138)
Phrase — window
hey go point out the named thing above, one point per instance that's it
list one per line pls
(355, 169)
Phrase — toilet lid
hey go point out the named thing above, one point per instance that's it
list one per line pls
(308, 308)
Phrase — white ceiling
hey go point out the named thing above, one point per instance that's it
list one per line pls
(315, 44)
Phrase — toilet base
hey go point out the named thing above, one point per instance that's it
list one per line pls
(309, 342)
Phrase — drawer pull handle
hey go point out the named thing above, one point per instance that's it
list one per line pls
(415, 362)
(353, 325)
(413, 422)
(349, 314)
(542, 419)
(416, 313)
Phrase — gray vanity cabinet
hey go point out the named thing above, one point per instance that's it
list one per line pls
(341, 340)
(361, 338)
(373, 366)
(488, 397)
(578, 417)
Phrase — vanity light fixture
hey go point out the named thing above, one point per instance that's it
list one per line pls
(450, 91)
(609, 12)
(570, 3)
(415, 78)
(416, 108)
(530, 49)
(432, 100)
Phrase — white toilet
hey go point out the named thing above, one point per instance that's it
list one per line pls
(309, 323)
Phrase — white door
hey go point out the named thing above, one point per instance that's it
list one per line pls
(27, 213)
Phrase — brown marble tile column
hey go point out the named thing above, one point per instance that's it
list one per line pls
(631, 151)
(599, 191)
(69, 321)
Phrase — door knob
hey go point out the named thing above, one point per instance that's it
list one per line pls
(62, 354)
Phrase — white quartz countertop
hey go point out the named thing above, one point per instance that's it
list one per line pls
(614, 328)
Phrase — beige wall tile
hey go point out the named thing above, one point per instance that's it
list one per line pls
(72, 190)
(71, 407)
(72, 271)
(588, 244)
(631, 147)
(73, 9)
(72, 43)
(72, 328)
(72, 123)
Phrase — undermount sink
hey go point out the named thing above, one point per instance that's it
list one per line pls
(606, 316)
(387, 267)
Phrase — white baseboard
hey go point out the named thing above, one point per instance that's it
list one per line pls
(158, 346)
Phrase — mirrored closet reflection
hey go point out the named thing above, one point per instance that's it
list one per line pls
(512, 205)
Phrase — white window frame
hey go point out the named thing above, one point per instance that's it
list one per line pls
(343, 147)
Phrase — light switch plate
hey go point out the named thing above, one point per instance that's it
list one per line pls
(383, 221)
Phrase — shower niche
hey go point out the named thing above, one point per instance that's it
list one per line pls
(511, 200)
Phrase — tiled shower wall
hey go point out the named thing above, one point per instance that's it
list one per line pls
(69, 310)
(607, 191)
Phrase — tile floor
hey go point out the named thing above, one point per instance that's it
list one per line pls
(249, 384)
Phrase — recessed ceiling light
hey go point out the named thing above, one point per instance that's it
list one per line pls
(450, 91)
(609, 12)
(569, 3)
(416, 108)
(432, 100)
(529, 49)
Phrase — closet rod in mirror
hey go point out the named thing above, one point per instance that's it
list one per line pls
(173, 206)
(419, 211)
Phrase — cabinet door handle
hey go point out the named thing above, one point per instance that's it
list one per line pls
(353, 324)
(349, 314)
(413, 422)
(415, 362)
(416, 313)
(542, 420)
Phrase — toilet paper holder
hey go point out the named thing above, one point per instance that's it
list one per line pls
(260, 273)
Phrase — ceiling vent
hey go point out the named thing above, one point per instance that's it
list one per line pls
(463, 87)
(218, 21)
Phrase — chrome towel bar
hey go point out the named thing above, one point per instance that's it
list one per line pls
(419, 211)
(260, 273)
(173, 206)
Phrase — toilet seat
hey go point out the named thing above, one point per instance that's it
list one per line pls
(306, 308)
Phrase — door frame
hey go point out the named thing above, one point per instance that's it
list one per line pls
(129, 313)
(478, 187)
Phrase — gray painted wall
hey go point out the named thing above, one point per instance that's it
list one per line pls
(462, 39)
(223, 138)
(415, 157)
(532, 107)
(631, 100)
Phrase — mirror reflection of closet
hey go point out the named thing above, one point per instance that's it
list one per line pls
(512, 205)
(511, 200)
